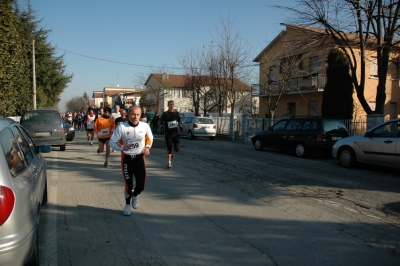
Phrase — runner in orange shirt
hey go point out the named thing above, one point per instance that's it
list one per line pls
(104, 127)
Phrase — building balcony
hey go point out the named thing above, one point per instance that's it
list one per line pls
(306, 84)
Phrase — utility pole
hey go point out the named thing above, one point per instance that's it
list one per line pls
(33, 75)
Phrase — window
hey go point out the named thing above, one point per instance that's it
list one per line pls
(281, 66)
(310, 125)
(313, 108)
(12, 152)
(390, 130)
(280, 125)
(25, 143)
(174, 93)
(274, 76)
(373, 67)
(291, 109)
(393, 112)
(293, 125)
(293, 79)
(185, 93)
(314, 65)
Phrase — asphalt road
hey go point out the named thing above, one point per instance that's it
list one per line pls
(223, 203)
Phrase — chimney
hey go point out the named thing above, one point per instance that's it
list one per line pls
(164, 76)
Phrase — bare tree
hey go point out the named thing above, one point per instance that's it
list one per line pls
(76, 104)
(233, 55)
(375, 25)
(195, 65)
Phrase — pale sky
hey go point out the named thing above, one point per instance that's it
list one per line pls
(112, 42)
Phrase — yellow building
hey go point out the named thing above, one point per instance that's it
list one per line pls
(299, 55)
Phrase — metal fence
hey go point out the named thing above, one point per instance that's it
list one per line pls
(239, 131)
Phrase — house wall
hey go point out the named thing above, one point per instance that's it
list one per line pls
(287, 45)
(181, 104)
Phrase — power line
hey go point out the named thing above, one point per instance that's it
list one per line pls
(112, 61)
(130, 64)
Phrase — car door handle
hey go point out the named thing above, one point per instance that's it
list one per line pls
(388, 141)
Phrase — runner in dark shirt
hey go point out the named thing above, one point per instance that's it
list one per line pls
(171, 122)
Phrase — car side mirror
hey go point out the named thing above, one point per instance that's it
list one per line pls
(44, 149)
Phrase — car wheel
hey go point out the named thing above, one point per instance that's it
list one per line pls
(300, 150)
(212, 138)
(347, 157)
(44, 200)
(258, 145)
(62, 147)
(190, 135)
(34, 260)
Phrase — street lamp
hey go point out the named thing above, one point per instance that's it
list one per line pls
(100, 84)
(102, 92)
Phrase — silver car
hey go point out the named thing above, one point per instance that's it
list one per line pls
(194, 126)
(23, 189)
(379, 145)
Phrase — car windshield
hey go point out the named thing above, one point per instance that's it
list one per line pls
(202, 120)
(40, 118)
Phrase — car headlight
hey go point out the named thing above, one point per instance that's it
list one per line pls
(71, 129)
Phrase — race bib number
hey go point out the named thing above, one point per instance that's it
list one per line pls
(104, 131)
(172, 124)
(90, 121)
(135, 146)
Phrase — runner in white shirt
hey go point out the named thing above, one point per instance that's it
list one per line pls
(134, 139)
(89, 124)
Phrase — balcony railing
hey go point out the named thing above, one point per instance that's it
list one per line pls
(305, 84)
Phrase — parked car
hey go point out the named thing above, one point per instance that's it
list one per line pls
(301, 135)
(379, 145)
(70, 131)
(45, 127)
(23, 189)
(194, 126)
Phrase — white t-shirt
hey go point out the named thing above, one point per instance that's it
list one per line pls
(115, 115)
(133, 136)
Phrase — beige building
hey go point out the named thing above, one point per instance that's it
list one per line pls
(108, 96)
(298, 53)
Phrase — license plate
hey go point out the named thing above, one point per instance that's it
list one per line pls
(42, 134)
(336, 138)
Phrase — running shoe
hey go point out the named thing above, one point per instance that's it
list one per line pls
(169, 166)
(91, 143)
(135, 202)
(98, 151)
(106, 164)
(127, 210)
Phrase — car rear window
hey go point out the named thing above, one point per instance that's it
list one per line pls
(41, 118)
(334, 126)
(202, 120)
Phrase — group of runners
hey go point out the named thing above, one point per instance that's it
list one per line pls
(129, 132)
(75, 119)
